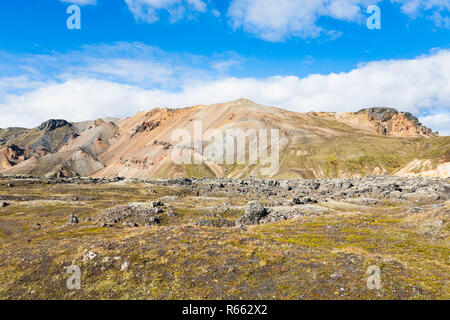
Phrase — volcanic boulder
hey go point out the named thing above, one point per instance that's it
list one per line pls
(253, 213)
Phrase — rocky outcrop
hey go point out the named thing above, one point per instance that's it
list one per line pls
(147, 126)
(253, 213)
(390, 122)
(131, 215)
(10, 156)
(382, 121)
(52, 125)
(385, 121)
(41, 151)
(39, 142)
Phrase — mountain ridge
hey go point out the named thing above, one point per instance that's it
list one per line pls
(371, 141)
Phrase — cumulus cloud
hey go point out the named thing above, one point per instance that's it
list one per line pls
(282, 19)
(434, 10)
(74, 100)
(412, 85)
(286, 18)
(439, 122)
(149, 10)
(415, 7)
(300, 18)
(420, 86)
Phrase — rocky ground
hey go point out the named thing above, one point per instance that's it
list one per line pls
(225, 239)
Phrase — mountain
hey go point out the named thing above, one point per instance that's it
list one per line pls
(384, 121)
(372, 141)
(50, 135)
(20, 144)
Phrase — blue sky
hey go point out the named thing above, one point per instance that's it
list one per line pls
(302, 55)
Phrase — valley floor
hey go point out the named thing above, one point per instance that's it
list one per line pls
(177, 238)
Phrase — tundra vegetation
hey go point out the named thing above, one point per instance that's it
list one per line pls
(224, 239)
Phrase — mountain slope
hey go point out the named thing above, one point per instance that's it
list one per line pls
(313, 145)
(50, 136)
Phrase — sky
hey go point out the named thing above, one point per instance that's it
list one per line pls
(300, 55)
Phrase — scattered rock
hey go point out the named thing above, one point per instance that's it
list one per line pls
(152, 221)
(273, 217)
(172, 214)
(131, 224)
(157, 204)
(90, 256)
(415, 210)
(133, 214)
(298, 201)
(124, 266)
(253, 213)
(106, 225)
(217, 223)
(73, 219)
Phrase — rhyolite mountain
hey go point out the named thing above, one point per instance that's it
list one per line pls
(372, 141)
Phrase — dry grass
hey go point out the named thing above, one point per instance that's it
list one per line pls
(317, 257)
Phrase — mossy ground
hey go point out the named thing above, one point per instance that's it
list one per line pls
(317, 257)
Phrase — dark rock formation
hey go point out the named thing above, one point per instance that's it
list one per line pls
(53, 124)
(253, 213)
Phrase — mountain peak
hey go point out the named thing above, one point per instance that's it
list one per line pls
(53, 124)
(243, 101)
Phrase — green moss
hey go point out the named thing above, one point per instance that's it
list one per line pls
(76, 233)
(289, 259)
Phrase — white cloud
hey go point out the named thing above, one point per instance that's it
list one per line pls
(282, 19)
(277, 21)
(132, 71)
(149, 10)
(439, 122)
(81, 2)
(18, 83)
(408, 85)
(198, 5)
(223, 66)
(439, 20)
(74, 99)
(286, 18)
(420, 85)
(415, 7)
(122, 62)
